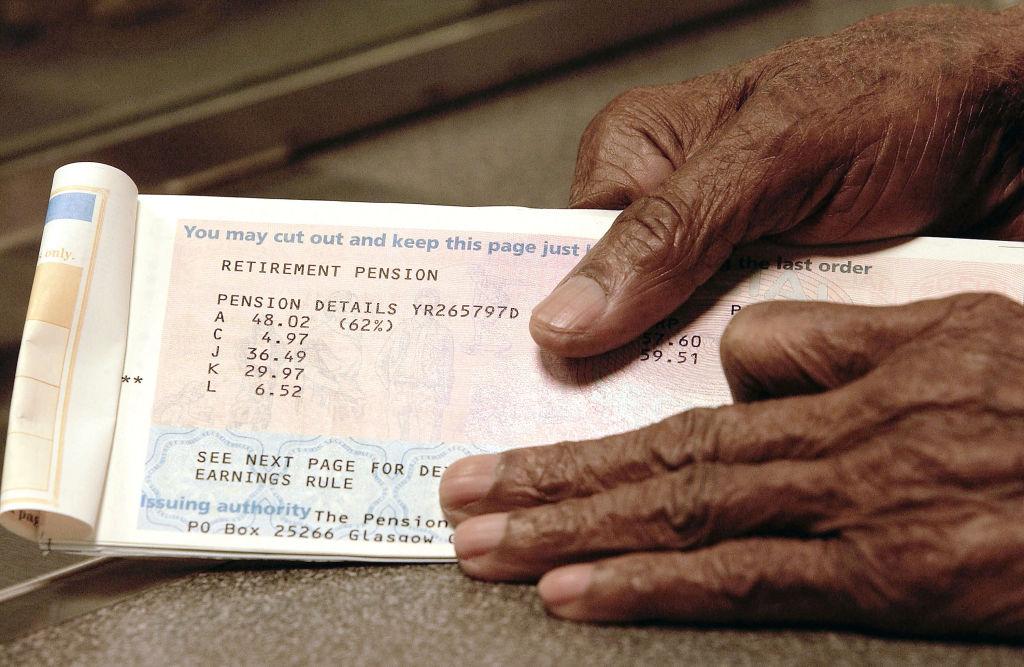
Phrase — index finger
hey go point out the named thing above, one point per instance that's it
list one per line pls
(641, 137)
(795, 428)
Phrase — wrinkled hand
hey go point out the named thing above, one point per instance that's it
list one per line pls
(907, 123)
(881, 484)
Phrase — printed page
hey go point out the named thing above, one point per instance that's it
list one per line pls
(67, 383)
(300, 374)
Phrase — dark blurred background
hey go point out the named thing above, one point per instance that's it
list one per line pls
(465, 102)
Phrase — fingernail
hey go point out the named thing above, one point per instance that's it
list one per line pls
(467, 480)
(479, 535)
(566, 584)
(574, 305)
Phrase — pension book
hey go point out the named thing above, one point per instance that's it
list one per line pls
(234, 377)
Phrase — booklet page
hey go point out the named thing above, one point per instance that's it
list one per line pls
(300, 374)
(290, 379)
(66, 384)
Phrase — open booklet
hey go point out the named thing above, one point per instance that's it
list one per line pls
(289, 379)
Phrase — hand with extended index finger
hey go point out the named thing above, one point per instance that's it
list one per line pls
(906, 123)
(877, 481)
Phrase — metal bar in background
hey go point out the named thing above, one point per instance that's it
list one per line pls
(180, 149)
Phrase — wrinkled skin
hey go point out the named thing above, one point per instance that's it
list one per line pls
(907, 123)
(883, 488)
(871, 471)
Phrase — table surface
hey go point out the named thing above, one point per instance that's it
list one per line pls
(407, 614)
(516, 146)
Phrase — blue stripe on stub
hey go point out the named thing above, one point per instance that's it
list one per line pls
(71, 206)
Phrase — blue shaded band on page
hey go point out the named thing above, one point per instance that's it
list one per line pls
(71, 206)
(276, 480)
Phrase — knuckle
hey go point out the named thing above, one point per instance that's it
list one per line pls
(633, 102)
(737, 574)
(652, 240)
(551, 529)
(687, 507)
(687, 437)
(627, 112)
(972, 337)
(973, 302)
(998, 304)
(531, 529)
(617, 143)
(640, 584)
(672, 232)
(635, 577)
(536, 475)
(902, 578)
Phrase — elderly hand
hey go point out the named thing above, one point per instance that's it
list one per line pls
(907, 123)
(877, 481)
(871, 472)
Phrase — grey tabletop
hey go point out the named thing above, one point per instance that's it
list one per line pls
(424, 614)
(513, 147)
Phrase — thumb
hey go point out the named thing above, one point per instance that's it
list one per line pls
(658, 250)
(784, 348)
